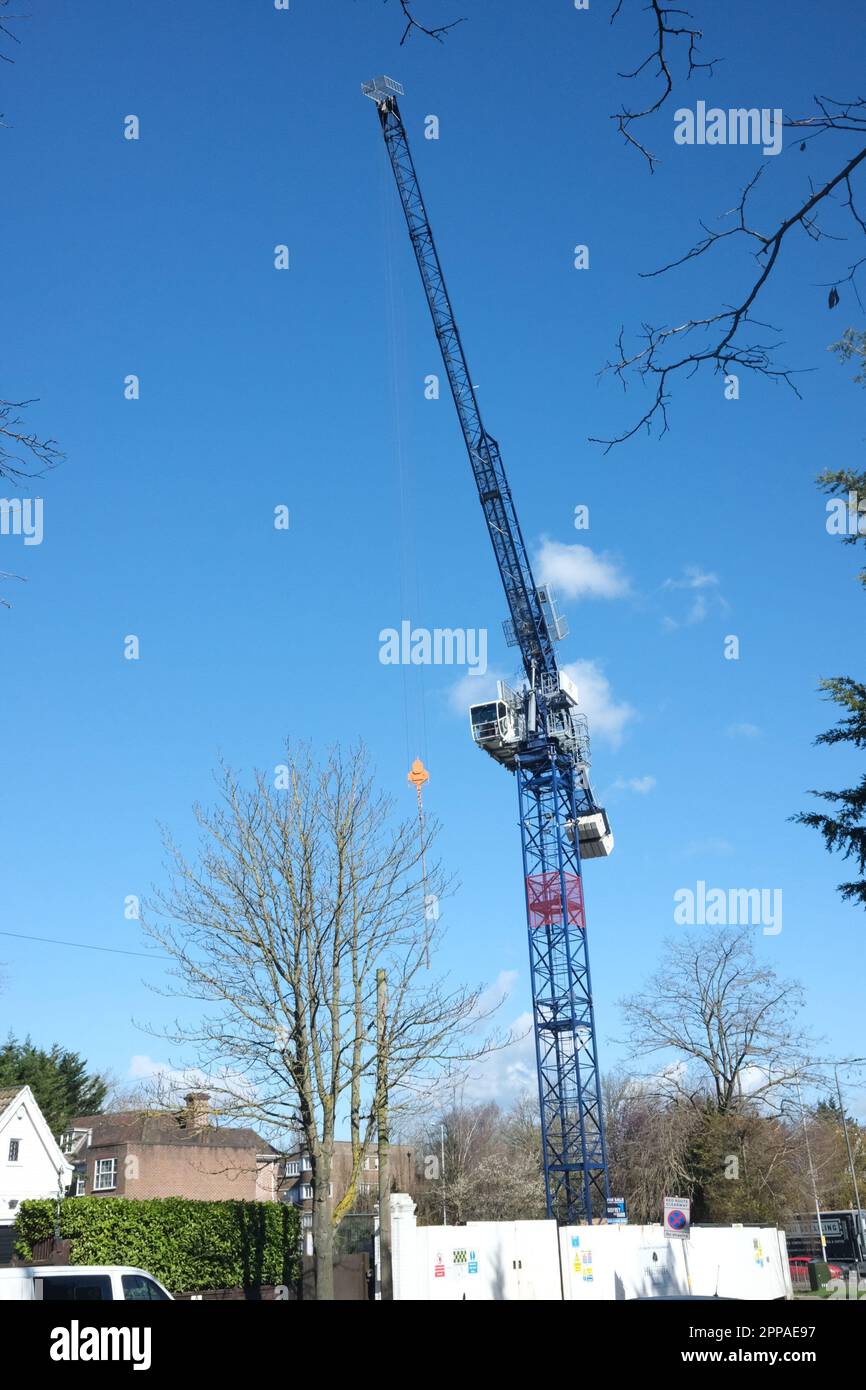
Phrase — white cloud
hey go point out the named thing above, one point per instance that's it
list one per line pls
(499, 992)
(575, 571)
(693, 578)
(641, 785)
(607, 717)
(170, 1084)
(507, 1072)
(705, 587)
(712, 844)
(473, 690)
(743, 731)
(144, 1068)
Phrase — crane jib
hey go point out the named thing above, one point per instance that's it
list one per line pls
(527, 616)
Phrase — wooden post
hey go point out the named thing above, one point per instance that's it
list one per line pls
(385, 1277)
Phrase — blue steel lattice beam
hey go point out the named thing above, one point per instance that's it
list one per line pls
(573, 1145)
(530, 626)
(551, 791)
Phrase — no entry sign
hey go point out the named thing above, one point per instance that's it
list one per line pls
(677, 1217)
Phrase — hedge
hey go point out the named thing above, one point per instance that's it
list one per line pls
(187, 1245)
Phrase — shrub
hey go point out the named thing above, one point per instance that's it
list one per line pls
(187, 1245)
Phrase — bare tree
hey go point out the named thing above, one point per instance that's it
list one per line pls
(492, 1163)
(304, 884)
(723, 339)
(721, 1026)
(648, 1142)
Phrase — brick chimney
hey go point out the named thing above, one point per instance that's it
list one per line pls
(197, 1110)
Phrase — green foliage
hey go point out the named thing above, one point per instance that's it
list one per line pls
(844, 830)
(58, 1079)
(852, 347)
(187, 1245)
(845, 483)
(740, 1167)
(844, 827)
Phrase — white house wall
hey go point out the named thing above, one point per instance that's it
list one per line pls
(35, 1173)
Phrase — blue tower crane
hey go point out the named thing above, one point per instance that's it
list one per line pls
(537, 733)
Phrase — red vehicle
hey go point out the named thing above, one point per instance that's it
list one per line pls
(799, 1267)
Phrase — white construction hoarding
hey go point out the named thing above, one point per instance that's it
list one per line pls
(533, 1260)
(620, 1261)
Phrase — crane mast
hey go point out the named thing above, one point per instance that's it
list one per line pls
(538, 734)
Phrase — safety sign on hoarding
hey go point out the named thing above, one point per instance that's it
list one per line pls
(677, 1217)
(616, 1209)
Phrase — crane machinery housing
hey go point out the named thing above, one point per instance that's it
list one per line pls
(539, 735)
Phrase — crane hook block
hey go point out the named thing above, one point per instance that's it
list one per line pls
(418, 775)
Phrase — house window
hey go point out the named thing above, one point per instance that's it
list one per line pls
(306, 1192)
(293, 1168)
(105, 1174)
(79, 1185)
(307, 1220)
(14, 1147)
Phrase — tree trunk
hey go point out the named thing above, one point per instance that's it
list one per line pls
(323, 1243)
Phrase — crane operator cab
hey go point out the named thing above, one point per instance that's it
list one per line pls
(500, 726)
(494, 728)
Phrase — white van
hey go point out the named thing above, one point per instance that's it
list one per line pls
(78, 1284)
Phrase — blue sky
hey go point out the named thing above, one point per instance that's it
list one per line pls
(302, 387)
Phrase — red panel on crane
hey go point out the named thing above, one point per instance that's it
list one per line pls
(544, 899)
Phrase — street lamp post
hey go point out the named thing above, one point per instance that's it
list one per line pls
(851, 1061)
(812, 1172)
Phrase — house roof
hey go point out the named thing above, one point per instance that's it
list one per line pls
(143, 1127)
(15, 1095)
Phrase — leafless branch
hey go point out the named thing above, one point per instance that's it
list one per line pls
(436, 31)
(23, 455)
(727, 343)
(669, 30)
(5, 574)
